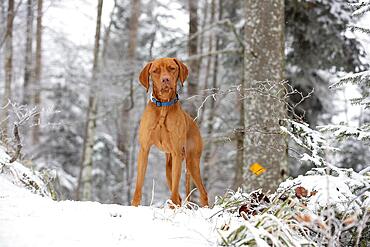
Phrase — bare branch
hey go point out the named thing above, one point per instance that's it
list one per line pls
(19, 144)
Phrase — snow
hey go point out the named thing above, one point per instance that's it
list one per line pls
(22, 176)
(338, 190)
(27, 219)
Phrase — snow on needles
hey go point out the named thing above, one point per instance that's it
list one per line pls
(22, 176)
(339, 190)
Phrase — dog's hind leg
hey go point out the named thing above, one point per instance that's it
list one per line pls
(187, 184)
(192, 164)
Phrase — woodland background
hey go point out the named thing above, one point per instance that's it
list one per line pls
(69, 84)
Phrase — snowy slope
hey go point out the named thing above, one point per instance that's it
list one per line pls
(27, 219)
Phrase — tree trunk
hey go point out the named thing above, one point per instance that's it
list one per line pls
(28, 54)
(193, 50)
(8, 68)
(211, 112)
(107, 33)
(85, 178)
(2, 18)
(38, 67)
(264, 61)
(123, 138)
(209, 57)
(240, 136)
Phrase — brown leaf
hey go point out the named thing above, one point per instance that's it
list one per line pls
(314, 192)
(225, 227)
(304, 218)
(301, 192)
(245, 210)
(349, 220)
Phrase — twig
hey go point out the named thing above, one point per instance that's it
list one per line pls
(19, 144)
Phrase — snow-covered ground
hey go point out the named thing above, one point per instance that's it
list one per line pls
(27, 219)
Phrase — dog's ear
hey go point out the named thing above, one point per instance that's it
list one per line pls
(144, 76)
(183, 71)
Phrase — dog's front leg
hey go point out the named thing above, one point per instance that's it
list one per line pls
(176, 175)
(141, 170)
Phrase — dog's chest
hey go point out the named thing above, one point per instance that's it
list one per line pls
(167, 134)
(161, 138)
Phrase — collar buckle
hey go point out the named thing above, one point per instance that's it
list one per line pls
(158, 103)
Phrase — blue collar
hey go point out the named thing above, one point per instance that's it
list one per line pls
(159, 103)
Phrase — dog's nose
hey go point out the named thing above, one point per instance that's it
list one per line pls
(165, 79)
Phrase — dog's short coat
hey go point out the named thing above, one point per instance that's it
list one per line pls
(169, 128)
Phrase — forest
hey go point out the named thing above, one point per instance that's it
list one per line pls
(278, 88)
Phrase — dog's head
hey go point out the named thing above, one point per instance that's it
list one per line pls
(165, 72)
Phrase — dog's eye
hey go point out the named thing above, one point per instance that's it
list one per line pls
(172, 68)
(156, 71)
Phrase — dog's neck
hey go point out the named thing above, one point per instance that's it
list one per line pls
(172, 101)
(170, 96)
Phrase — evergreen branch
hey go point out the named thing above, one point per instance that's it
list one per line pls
(309, 139)
(357, 28)
(361, 11)
(359, 100)
(359, 4)
(342, 132)
(357, 78)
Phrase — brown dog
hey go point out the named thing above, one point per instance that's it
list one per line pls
(165, 125)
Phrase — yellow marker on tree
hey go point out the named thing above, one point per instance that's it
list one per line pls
(257, 169)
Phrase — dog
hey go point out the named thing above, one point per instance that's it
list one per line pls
(167, 126)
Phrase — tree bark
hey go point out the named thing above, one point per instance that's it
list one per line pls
(123, 137)
(2, 17)
(107, 33)
(209, 58)
(264, 61)
(28, 54)
(211, 112)
(85, 178)
(193, 50)
(8, 68)
(38, 67)
(240, 136)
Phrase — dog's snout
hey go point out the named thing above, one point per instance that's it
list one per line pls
(165, 79)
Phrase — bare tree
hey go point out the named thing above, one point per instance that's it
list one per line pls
(28, 53)
(211, 112)
(38, 67)
(193, 50)
(85, 176)
(2, 17)
(123, 136)
(107, 34)
(8, 68)
(263, 64)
